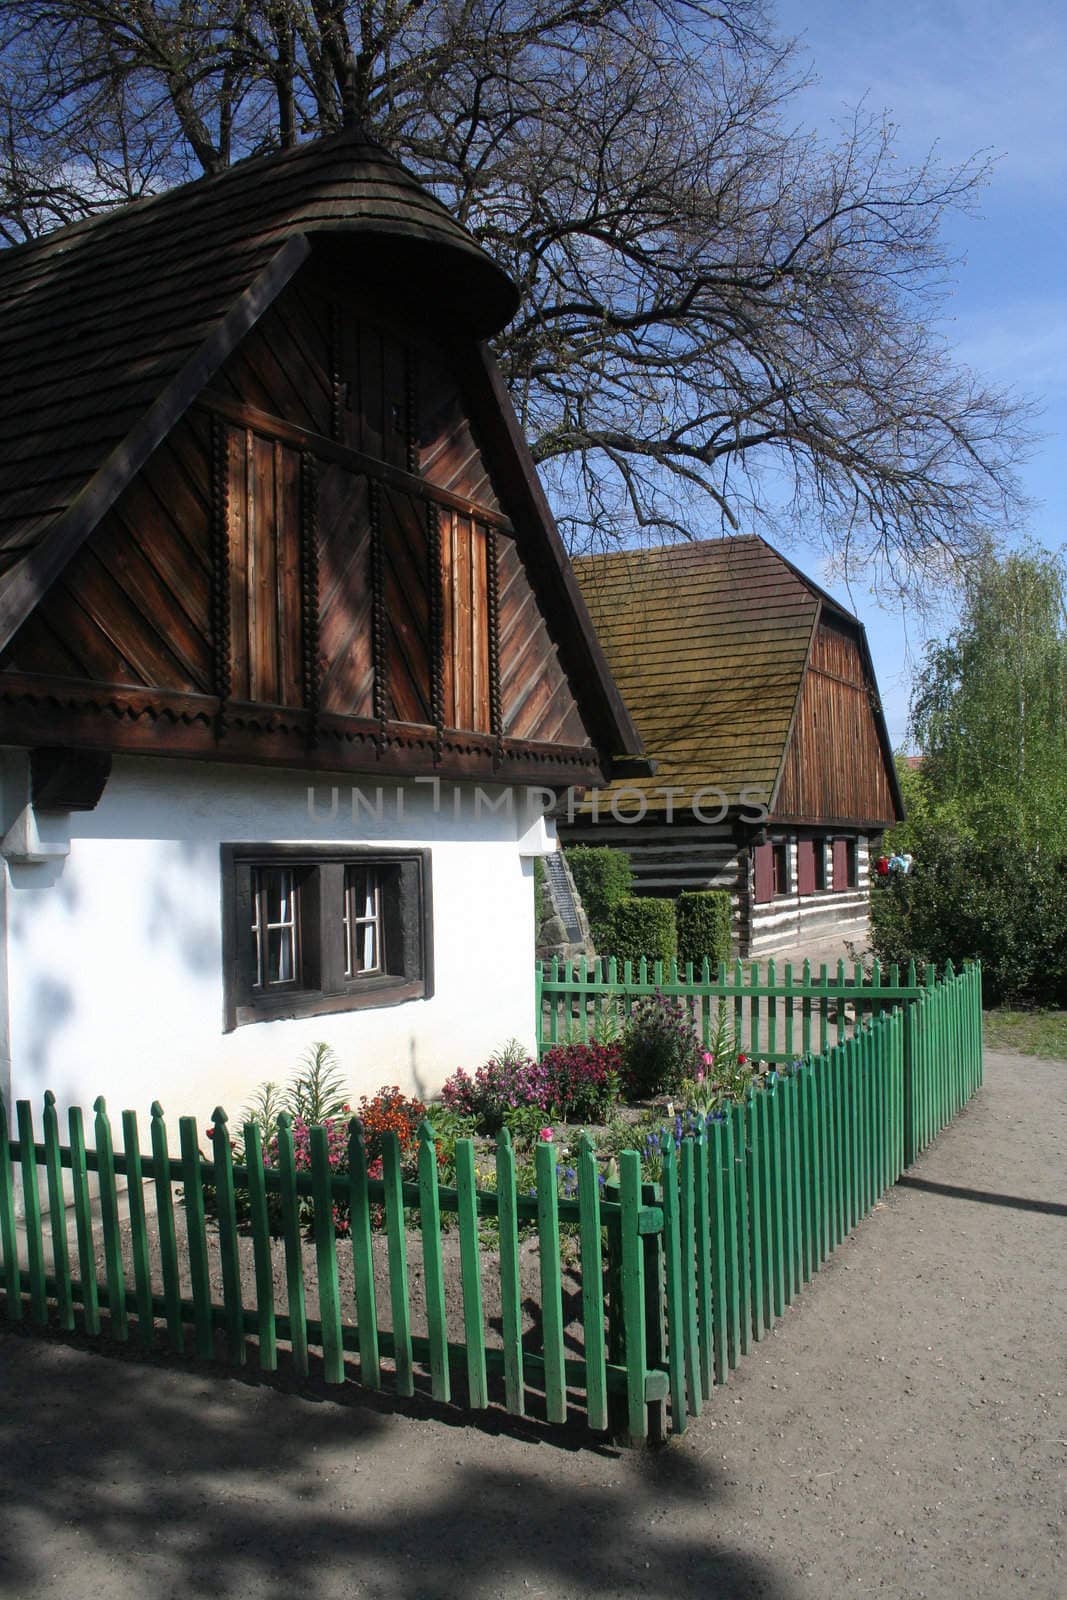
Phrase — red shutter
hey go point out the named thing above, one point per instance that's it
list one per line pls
(840, 864)
(763, 858)
(805, 866)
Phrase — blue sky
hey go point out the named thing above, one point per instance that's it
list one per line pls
(968, 75)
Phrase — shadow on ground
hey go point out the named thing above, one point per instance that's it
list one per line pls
(134, 1477)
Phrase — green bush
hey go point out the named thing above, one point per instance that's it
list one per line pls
(635, 928)
(602, 877)
(704, 926)
(997, 903)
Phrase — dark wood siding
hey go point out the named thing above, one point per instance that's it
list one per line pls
(537, 700)
(835, 768)
(134, 606)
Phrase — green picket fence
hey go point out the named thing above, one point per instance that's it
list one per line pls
(777, 1011)
(673, 1282)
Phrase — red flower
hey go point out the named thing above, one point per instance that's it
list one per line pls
(741, 1060)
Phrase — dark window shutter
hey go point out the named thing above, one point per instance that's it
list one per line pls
(840, 864)
(805, 866)
(763, 862)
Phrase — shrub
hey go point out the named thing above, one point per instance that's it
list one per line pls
(602, 877)
(636, 928)
(660, 1049)
(510, 1078)
(704, 926)
(583, 1079)
(998, 903)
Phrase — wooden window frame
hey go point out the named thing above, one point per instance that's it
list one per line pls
(322, 986)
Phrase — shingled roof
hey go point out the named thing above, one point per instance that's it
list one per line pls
(110, 327)
(707, 642)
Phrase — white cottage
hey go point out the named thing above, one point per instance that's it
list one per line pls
(292, 662)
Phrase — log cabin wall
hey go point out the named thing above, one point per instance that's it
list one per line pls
(314, 566)
(805, 913)
(835, 766)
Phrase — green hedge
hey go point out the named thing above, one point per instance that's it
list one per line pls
(602, 877)
(704, 926)
(634, 928)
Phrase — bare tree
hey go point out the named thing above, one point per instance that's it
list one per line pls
(722, 321)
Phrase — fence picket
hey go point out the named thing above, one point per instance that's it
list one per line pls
(8, 1234)
(672, 1251)
(592, 1286)
(142, 1274)
(259, 1217)
(226, 1211)
(360, 1233)
(293, 1245)
(551, 1284)
(510, 1286)
(687, 1238)
(168, 1246)
(83, 1221)
(109, 1220)
(470, 1272)
(403, 1355)
(754, 1179)
(717, 1224)
(323, 1226)
(193, 1199)
(57, 1213)
(31, 1215)
(701, 1223)
(432, 1264)
(632, 1285)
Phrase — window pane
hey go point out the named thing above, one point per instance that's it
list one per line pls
(274, 925)
(281, 965)
(363, 921)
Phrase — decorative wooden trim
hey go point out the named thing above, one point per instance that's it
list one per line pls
(309, 582)
(337, 377)
(493, 619)
(221, 622)
(437, 628)
(271, 427)
(411, 408)
(377, 548)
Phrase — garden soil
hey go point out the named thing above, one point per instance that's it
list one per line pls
(902, 1432)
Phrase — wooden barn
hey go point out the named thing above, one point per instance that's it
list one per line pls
(267, 522)
(754, 694)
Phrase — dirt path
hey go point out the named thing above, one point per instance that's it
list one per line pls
(899, 1434)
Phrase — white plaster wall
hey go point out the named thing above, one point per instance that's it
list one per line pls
(115, 961)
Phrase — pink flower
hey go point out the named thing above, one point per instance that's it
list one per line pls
(546, 1134)
(707, 1058)
(700, 1075)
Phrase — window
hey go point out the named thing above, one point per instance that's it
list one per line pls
(781, 869)
(309, 930)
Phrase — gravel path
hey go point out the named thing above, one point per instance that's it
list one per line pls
(900, 1434)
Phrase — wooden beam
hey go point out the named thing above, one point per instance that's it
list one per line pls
(246, 416)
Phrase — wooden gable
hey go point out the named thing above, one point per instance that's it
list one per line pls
(837, 766)
(315, 567)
